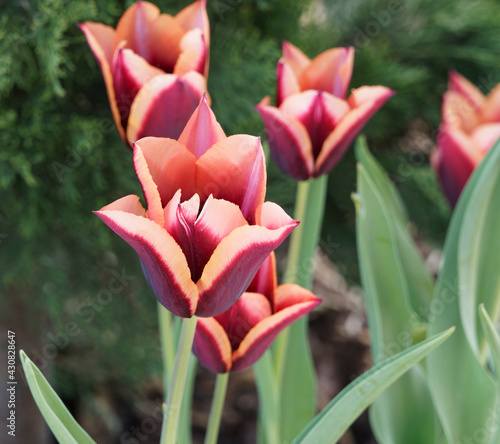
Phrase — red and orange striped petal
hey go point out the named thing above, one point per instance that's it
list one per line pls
(458, 156)
(485, 136)
(216, 221)
(195, 16)
(128, 204)
(331, 71)
(163, 106)
(171, 165)
(259, 338)
(202, 130)
(243, 315)
(291, 148)
(130, 73)
(319, 112)
(211, 346)
(295, 58)
(164, 264)
(134, 27)
(234, 264)
(193, 53)
(286, 82)
(149, 188)
(460, 84)
(458, 111)
(164, 42)
(491, 106)
(266, 279)
(101, 39)
(234, 169)
(365, 102)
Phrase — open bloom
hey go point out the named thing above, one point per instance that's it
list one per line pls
(237, 338)
(154, 66)
(314, 124)
(469, 128)
(207, 228)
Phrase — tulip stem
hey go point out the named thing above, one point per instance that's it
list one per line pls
(292, 349)
(177, 381)
(167, 344)
(216, 409)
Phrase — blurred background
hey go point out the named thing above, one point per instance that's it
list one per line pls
(61, 158)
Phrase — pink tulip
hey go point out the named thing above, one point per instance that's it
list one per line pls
(237, 338)
(470, 127)
(207, 228)
(154, 66)
(313, 124)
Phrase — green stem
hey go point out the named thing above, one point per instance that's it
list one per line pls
(309, 209)
(269, 407)
(167, 344)
(216, 409)
(176, 386)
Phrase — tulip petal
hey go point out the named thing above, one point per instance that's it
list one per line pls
(295, 58)
(134, 27)
(485, 136)
(171, 165)
(101, 39)
(234, 263)
(193, 53)
(491, 106)
(243, 315)
(130, 73)
(330, 71)
(165, 267)
(460, 84)
(458, 111)
(259, 338)
(202, 130)
(195, 16)
(164, 42)
(457, 157)
(211, 346)
(128, 204)
(266, 280)
(291, 148)
(216, 221)
(365, 102)
(164, 105)
(149, 188)
(234, 170)
(318, 111)
(286, 82)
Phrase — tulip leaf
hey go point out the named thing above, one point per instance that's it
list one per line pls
(58, 418)
(478, 258)
(463, 391)
(493, 339)
(396, 284)
(329, 425)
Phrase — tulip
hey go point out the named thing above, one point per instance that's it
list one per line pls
(207, 228)
(313, 124)
(469, 128)
(154, 66)
(237, 338)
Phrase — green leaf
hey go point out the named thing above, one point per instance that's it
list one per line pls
(59, 419)
(397, 289)
(478, 258)
(329, 426)
(464, 393)
(493, 339)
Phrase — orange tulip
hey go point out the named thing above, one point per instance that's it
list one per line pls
(237, 338)
(154, 66)
(313, 124)
(207, 228)
(470, 126)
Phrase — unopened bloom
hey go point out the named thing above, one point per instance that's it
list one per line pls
(238, 337)
(207, 228)
(469, 128)
(313, 123)
(154, 66)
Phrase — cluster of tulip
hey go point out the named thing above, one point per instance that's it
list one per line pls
(207, 238)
